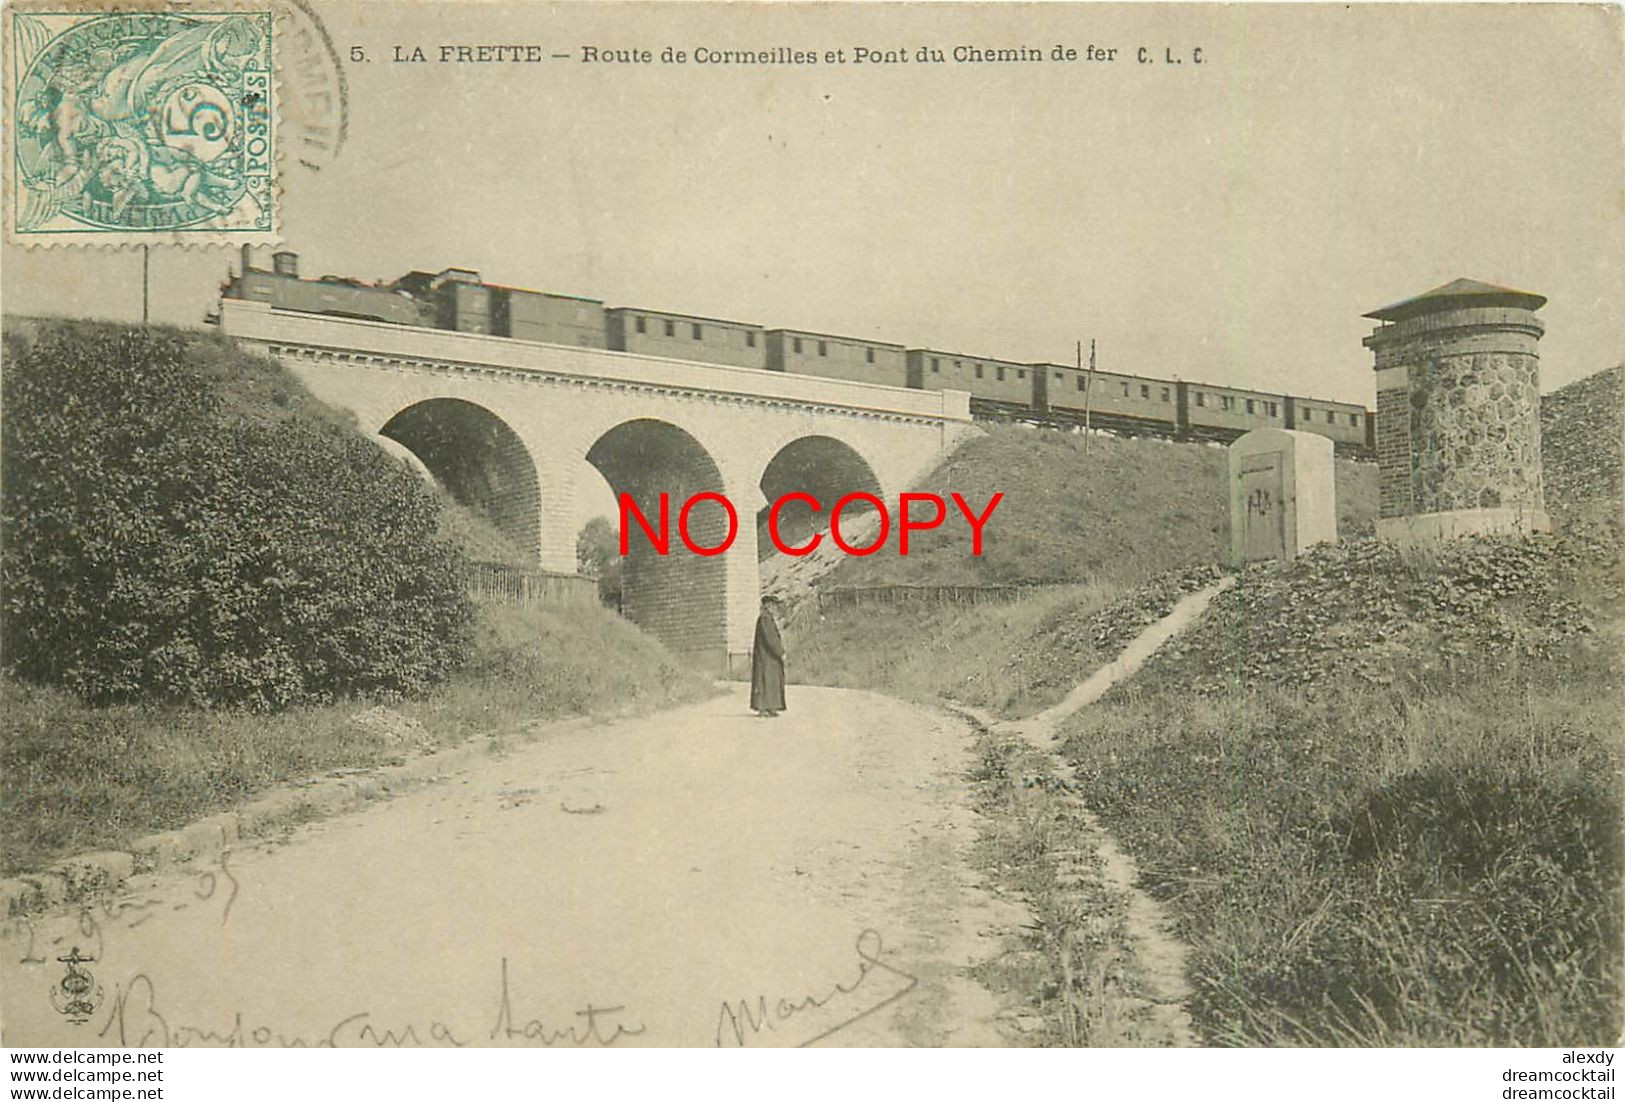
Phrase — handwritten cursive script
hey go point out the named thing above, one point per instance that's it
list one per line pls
(586, 1032)
(737, 1022)
(135, 1020)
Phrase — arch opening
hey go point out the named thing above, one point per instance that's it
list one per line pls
(479, 460)
(680, 598)
(824, 467)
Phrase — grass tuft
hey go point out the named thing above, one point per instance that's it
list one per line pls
(1438, 873)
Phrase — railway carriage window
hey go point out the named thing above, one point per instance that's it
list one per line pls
(796, 342)
(642, 327)
(1308, 415)
(750, 339)
(696, 329)
(1020, 374)
(823, 349)
(1057, 376)
(1354, 419)
(869, 354)
(999, 370)
(978, 369)
(1226, 401)
(1331, 418)
(935, 363)
(1201, 399)
(1249, 405)
(1082, 382)
(1125, 390)
(1145, 391)
(934, 368)
(1164, 394)
(671, 329)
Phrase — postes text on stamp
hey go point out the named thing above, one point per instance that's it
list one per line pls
(140, 127)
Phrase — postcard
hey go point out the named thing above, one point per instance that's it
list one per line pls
(545, 525)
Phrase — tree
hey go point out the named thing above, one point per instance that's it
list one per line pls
(598, 555)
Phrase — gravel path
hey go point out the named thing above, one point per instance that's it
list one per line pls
(698, 877)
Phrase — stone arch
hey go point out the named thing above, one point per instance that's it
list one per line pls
(479, 459)
(823, 466)
(680, 597)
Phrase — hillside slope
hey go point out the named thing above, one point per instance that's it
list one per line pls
(1121, 511)
(1380, 790)
(1088, 529)
(1582, 443)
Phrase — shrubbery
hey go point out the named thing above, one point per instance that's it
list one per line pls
(165, 539)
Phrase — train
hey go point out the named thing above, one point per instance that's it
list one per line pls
(1044, 394)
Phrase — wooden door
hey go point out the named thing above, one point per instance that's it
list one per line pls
(1261, 485)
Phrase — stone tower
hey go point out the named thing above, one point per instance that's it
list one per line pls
(1458, 413)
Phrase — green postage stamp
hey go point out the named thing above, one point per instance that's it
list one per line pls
(130, 127)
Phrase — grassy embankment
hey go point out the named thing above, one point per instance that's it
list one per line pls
(1399, 825)
(1097, 535)
(1381, 791)
(75, 776)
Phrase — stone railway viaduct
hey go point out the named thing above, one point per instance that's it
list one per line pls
(518, 430)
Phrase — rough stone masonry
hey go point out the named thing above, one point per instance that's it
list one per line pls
(1458, 413)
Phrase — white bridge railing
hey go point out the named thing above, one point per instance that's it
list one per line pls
(273, 330)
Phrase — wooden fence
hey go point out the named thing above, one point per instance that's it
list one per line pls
(850, 596)
(518, 585)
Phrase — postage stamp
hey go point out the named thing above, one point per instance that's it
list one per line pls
(141, 127)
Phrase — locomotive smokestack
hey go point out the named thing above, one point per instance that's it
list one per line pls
(285, 263)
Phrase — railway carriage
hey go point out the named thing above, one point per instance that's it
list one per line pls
(1224, 413)
(1046, 393)
(998, 388)
(1349, 426)
(1109, 400)
(831, 357)
(686, 337)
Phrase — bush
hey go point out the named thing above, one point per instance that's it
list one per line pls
(165, 541)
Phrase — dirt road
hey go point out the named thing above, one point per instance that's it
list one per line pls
(699, 877)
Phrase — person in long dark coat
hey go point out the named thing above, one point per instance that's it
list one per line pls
(767, 665)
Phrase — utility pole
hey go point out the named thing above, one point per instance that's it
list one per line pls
(1088, 389)
(146, 258)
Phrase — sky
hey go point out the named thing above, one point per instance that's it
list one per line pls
(1228, 221)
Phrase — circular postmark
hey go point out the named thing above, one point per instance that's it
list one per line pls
(147, 121)
(315, 93)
